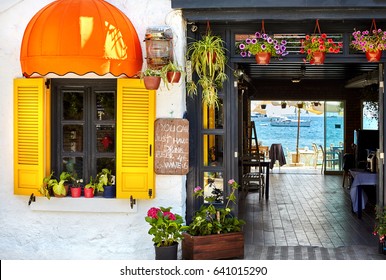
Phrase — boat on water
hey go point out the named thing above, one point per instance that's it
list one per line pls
(284, 121)
(258, 117)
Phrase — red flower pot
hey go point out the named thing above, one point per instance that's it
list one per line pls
(88, 192)
(152, 82)
(318, 58)
(75, 192)
(173, 77)
(374, 56)
(263, 58)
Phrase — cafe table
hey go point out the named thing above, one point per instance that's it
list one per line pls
(249, 162)
(361, 178)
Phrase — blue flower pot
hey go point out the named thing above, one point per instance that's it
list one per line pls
(110, 191)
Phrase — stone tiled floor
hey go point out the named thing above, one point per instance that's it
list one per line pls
(308, 216)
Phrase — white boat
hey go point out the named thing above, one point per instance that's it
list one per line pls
(257, 117)
(283, 121)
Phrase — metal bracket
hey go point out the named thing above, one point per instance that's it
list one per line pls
(32, 198)
(132, 202)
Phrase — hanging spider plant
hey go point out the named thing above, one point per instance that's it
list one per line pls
(208, 60)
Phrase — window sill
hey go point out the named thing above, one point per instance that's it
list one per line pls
(84, 205)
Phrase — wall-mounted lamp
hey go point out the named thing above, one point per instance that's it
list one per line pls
(159, 46)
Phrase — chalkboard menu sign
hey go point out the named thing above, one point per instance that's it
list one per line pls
(171, 146)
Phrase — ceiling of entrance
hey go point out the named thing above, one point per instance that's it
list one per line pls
(289, 71)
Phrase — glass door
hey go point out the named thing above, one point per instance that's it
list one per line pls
(334, 135)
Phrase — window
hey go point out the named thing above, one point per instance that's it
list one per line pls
(83, 126)
(87, 125)
(370, 115)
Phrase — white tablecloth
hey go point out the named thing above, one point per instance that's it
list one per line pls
(361, 178)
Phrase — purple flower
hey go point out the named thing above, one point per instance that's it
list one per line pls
(197, 189)
(231, 181)
(248, 41)
(263, 47)
(241, 46)
(269, 40)
(258, 35)
(284, 42)
(254, 41)
(243, 54)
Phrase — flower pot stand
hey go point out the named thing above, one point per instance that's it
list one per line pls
(212, 247)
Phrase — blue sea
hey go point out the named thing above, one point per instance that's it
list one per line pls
(286, 136)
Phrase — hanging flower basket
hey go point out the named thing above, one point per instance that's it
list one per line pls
(263, 47)
(317, 45)
(372, 42)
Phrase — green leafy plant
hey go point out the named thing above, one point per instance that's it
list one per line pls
(318, 43)
(170, 71)
(103, 178)
(210, 219)
(165, 227)
(208, 61)
(91, 184)
(52, 186)
(262, 42)
(151, 72)
(380, 225)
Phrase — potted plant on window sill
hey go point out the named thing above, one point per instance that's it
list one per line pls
(214, 233)
(151, 78)
(52, 187)
(89, 189)
(76, 188)
(166, 229)
(105, 183)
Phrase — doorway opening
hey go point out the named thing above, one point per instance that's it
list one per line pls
(310, 132)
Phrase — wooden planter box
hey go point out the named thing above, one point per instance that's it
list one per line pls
(213, 247)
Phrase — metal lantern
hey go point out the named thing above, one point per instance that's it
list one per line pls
(159, 46)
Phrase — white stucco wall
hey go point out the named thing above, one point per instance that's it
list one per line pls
(27, 234)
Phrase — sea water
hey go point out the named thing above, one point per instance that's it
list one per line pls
(286, 136)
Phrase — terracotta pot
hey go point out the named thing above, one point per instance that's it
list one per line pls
(173, 77)
(213, 247)
(75, 192)
(88, 192)
(374, 56)
(59, 195)
(263, 58)
(318, 58)
(152, 82)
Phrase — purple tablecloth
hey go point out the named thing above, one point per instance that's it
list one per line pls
(361, 178)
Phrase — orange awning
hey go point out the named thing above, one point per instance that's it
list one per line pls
(80, 36)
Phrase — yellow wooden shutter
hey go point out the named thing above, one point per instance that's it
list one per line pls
(135, 140)
(29, 135)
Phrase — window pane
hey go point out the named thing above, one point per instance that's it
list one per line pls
(213, 150)
(73, 138)
(105, 138)
(108, 163)
(73, 105)
(73, 165)
(213, 117)
(105, 103)
(213, 187)
(370, 115)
